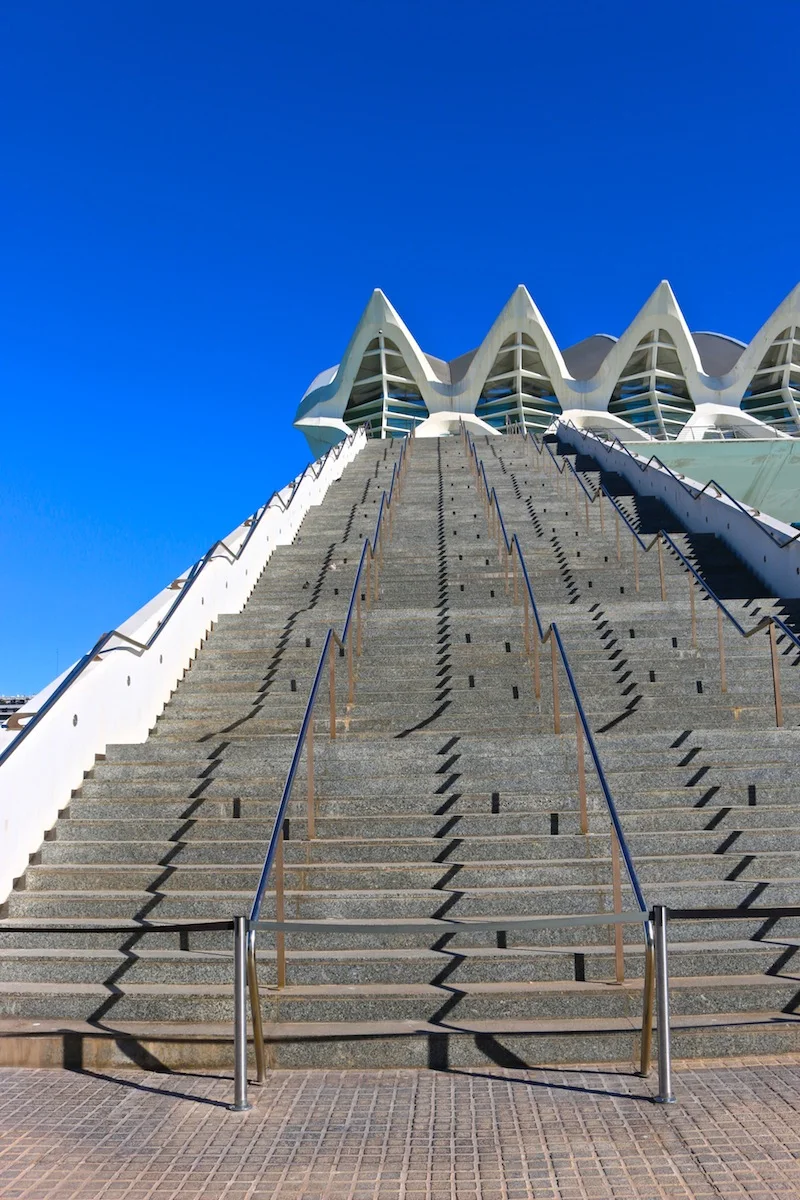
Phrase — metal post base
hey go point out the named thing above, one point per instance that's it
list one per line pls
(240, 1103)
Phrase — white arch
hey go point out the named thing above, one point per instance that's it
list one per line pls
(716, 400)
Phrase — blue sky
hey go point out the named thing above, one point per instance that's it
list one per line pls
(197, 200)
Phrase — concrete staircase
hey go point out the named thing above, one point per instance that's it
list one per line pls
(445, 792)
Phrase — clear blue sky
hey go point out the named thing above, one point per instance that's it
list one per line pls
(197, 199)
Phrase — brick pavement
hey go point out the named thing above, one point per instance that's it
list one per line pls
(497, 1134)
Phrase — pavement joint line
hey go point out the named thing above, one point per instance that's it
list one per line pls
(588, 1132)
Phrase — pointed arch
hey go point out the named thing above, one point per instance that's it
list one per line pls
(773, 392)
(517, 389)
(652, 393)
(384, 396)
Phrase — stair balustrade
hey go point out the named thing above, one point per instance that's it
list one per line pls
(775, 628)
(535, 636)
(182, 586)
(347, 644)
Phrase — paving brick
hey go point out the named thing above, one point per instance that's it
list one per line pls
(580, 1134)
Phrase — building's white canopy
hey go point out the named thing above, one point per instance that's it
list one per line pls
(657, 381)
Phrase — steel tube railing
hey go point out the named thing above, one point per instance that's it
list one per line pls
(139, 928)
(665, 1094)
(240, 1103)
(695, 493)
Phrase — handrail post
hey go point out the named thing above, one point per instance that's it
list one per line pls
(332, 684)
(619, 547)
(358, 620)
(776, 675)
(537, 675)
(240, 1103)
(616, 881)
(693, 611)
(369, 576)
(600, 497)
(635, 563)
(351, 683)
(723, 680)
(505, 565)
(527, 623)
(665, 1094)
(280, 914)
(581, 774)
(661, 567)
(648, 995)
(516, 583)
(556, 700)
(255, 1007)
(311, 806)
(586, 505)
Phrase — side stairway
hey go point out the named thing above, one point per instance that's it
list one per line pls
(444, 793)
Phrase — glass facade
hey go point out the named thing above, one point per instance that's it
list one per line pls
(518, 390)
(384, 396)
(651, 394)
(773, 394)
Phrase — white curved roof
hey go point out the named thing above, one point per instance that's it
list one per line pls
(657, 379)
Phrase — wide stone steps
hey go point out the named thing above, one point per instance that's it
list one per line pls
(445, 793)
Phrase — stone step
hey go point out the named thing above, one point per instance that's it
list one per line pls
(418, 965)
(695, 996)
(533, 850)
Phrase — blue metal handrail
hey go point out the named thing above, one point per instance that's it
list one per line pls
(101, 646)
(330, 636)
(670, 542)
(280, 816)
(369, 552)
(695, 493)
(511, 545)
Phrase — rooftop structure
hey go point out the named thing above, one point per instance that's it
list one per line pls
(658, 381)
(11, 704)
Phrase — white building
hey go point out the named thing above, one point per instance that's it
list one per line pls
(657, 381)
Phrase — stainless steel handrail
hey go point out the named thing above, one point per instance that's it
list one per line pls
(102, 647)
(513, 553)
(370, 564)
(769, 623)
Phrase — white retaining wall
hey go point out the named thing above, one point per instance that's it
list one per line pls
(748, 536)
(118, 697)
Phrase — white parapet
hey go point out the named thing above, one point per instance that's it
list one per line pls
(769, 547)
(115, 692)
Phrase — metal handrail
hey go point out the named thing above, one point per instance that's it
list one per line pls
(661, 916)
(769, 623)
(513, 553)
(102, 647)
(752, 514)
(369, 563)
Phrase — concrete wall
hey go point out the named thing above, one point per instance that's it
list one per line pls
(763, 542)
